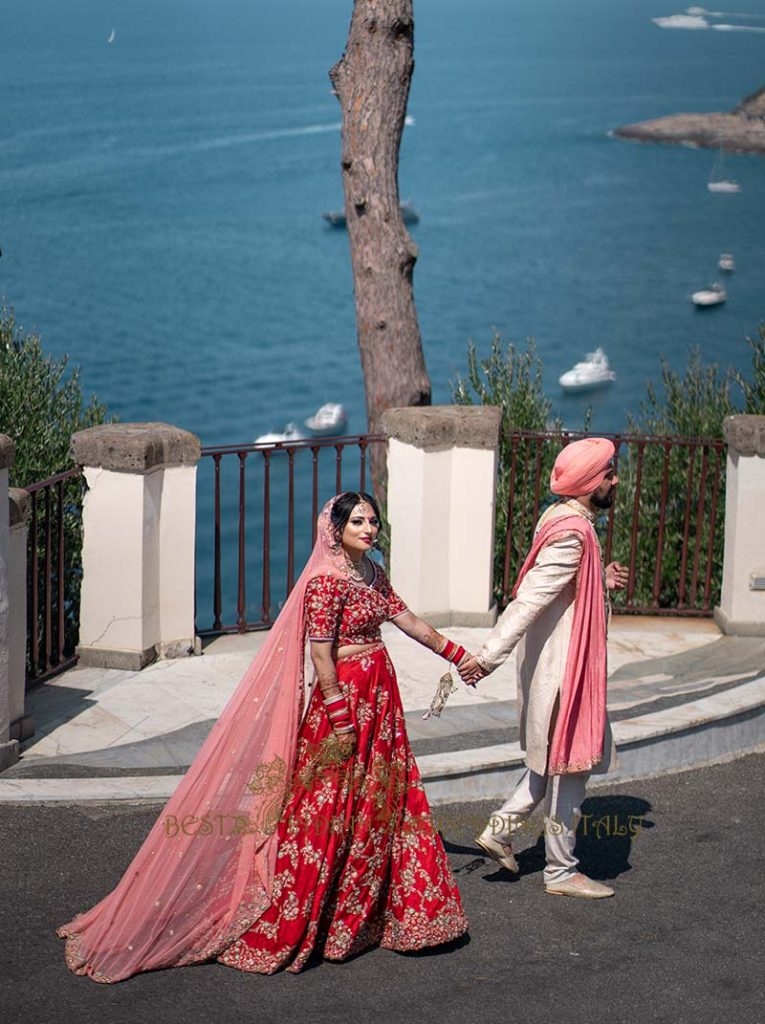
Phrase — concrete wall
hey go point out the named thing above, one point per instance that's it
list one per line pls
(9, 748)
(742, 608)
(21, 724)
(137, 600)
(442, 465)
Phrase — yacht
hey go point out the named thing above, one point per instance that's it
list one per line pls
(711, 296)
(290, 433)
(593, 372)
(328, 419)
(726, 262)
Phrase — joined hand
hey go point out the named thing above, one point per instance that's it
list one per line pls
(470, 671)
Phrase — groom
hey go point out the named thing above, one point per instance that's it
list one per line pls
(558, 620)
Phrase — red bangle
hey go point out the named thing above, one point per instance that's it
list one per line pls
(453, 652)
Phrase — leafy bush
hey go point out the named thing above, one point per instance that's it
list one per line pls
(684, 481)
(754, 388)
(671, 552)
(41, 406)
(512, 380)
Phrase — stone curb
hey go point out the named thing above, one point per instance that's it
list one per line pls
(690, 735)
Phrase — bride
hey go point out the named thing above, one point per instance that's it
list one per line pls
(294, 833)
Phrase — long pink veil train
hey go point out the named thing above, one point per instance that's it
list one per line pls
(203, 875)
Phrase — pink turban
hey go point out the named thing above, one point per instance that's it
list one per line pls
(582, 466)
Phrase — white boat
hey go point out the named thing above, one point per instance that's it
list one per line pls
(290, 433)
(726, 262)
(327, 419)
(717, 183)
(593, 372)
(711, 296)
(112, 36)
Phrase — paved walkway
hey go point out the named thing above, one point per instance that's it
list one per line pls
(681, 943)
(104, 724)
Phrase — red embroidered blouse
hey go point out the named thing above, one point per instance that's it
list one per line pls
(349, 613)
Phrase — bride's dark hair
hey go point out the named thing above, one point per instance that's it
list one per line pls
(345, 504)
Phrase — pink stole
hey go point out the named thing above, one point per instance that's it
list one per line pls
(577, 742)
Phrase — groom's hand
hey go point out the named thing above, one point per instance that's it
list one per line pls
(617, 576)
(470, 671)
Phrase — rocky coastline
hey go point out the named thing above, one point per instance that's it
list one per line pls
(742, 130)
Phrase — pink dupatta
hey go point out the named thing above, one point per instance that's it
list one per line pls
(577, 742)
(204, 873)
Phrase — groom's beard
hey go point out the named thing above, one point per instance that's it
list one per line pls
(604, 503)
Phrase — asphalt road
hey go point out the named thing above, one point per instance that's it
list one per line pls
(681, 942)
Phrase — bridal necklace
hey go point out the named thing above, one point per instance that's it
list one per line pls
(362, 575)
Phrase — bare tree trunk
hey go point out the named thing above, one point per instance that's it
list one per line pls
(371, 81)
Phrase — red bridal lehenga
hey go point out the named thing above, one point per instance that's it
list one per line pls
(273, 845)
(359, 862)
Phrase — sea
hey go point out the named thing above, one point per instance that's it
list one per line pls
(161, 198)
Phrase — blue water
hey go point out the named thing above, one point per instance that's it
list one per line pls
(160, 198)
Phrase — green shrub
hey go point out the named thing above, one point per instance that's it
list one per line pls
(754, 388)
(669, 569)
(512, 379)
(687, 481)
(41, 406)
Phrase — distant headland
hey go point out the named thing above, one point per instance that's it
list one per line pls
(740, 131)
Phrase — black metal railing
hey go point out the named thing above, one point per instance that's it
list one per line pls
(54, 574)
(666, 524)
(263, 501)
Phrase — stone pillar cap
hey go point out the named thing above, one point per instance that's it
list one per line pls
(445, 426)
(7, 451)
(135, 447)
(745, 434)
(19, 506)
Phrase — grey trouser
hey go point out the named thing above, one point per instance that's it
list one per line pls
(563, 796)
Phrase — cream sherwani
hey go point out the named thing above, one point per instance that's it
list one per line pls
(538, 622)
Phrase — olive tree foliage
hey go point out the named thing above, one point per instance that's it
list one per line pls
(670, 499)
(511, 378)
(753, 387)
(41, 406)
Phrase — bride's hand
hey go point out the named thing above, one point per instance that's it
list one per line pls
(470, 670)
(347, 743)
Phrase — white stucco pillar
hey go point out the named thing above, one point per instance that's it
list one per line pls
(20, 507)
(9, 748)
(137, 599)
(742, 600)
(442, 468)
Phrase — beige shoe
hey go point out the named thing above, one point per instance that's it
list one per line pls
(502, 853)
(580, 885)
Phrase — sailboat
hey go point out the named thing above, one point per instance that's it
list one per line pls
(716, 181)
(112, 36)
